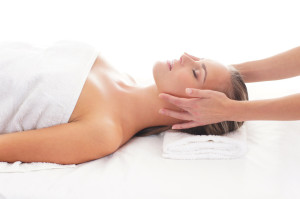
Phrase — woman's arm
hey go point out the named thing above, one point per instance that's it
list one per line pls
(280, 66)
(70, 143)
(283, 108)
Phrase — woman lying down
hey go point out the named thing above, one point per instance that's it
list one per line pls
(65, 104)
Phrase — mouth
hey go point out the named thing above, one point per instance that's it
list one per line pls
(170, 64)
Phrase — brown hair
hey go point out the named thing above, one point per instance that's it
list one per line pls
(237, 91)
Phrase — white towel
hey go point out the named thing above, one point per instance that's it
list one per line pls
(39, 87)
(179, 145)
(18, 167)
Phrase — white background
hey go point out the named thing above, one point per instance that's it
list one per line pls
(133, 34)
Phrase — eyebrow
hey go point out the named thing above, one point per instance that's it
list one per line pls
(204, 67)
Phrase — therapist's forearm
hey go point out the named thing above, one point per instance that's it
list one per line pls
(283, 108)
(280, 66)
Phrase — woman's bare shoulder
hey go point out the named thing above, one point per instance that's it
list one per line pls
(102, 63)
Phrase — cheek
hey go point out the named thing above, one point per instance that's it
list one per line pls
(176, 84)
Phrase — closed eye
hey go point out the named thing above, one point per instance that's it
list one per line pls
(195, 75)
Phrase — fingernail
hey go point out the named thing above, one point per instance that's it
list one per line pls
(188, 91)
(173, 127)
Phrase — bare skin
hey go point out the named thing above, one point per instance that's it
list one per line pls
(213, 106)
(105, 87)
(110, 110)
(114, 96)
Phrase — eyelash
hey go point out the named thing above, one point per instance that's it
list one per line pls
(195, 75)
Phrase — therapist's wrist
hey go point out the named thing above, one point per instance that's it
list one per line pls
(238, 110)
(243, 69)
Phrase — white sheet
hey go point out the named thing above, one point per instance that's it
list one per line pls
(269, 170)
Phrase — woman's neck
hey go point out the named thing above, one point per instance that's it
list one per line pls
(139, 109)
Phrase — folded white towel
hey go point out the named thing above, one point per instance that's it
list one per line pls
(34, 166)
(179, 145)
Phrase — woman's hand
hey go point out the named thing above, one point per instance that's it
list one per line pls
(206, 107)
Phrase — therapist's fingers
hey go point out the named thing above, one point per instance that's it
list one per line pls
(176, 114)
(186, 125)
(192, 92)
(181, 102)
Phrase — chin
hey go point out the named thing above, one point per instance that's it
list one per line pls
(156, 70)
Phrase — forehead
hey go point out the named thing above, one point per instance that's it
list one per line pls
(218, 75)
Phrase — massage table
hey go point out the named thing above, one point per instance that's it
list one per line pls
(270, 169)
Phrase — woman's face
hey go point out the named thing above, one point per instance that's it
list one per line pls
(187, 72)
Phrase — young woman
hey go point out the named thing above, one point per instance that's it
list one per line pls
(112, 108)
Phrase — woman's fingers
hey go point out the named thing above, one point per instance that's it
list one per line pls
(175, 114)
(181, 102)
(186, 125)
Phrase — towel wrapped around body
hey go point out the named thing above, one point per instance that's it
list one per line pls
(40, 86)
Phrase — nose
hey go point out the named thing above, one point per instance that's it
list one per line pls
(184, 59)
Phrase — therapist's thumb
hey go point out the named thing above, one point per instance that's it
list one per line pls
(198, 93)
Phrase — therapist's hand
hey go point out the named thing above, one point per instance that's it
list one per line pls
(205, 107)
